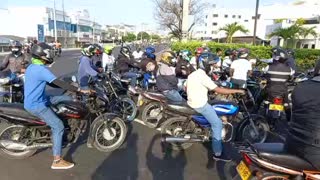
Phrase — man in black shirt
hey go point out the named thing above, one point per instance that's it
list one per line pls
(304, 135)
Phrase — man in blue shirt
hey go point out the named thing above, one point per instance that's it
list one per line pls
(37, 76)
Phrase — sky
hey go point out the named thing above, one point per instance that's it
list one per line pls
(125, 11)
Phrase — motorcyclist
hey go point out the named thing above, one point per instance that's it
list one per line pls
(194, 59)
(303, 138)
(228, 58)
(183, 66)
(198, 85)
(86, 67)
(278, 74)
(167, 82)
(149, 53)
(107, 58)
(291, 59)
(124, 62)
(37, 76)
(137, 54)
(16, 62)
(240, 69)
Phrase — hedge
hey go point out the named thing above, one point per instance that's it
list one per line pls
(305, 58)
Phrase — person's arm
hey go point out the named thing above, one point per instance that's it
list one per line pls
(88, 68)
(232, 67)
(5, 63)
(57, 83)
(227, 91)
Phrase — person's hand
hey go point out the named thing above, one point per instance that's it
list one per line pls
(100, 70)
(85, 91)
(23, 71)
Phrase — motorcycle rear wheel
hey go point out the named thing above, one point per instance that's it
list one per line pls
(125, 107)
(172, 127)
(13, 131)
(152, 114)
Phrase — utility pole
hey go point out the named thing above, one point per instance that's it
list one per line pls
(64, 25)
(55, 21)
(93, 33)
(185, 18)
(255, 23)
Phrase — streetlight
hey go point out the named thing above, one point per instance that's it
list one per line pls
(185, 16)
(255, 22)
(55, 21)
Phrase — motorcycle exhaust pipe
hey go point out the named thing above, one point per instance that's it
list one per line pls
(17, 146)
(171, 139)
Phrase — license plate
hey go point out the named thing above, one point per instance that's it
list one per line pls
(276, 107)
(243, 171)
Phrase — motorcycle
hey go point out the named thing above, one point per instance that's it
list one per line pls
(11, 88)
(22, 134)
(269, 161)
(189, 127)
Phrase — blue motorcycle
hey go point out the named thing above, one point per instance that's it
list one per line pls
(189, 127)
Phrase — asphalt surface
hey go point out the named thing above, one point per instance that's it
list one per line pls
(141, 157)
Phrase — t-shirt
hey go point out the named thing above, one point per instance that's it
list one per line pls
(226, 62)
(137, 55)
(241, 68)
(85, 71)
(107, 60)
(198, 84)
(36, 78)
(193, 62)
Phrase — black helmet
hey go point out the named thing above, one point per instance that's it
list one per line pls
(243, 53)
(206, 60)
(278, 54)
(228, 52)
(42, 51)
(125, 51)
(16, 47)
(88, 50)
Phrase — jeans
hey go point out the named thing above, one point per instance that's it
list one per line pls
(216, 127)
(52, 120)
(133, 77)
(173, 95)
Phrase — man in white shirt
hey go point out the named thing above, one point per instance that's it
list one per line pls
(198, 84)
(137, 54)
(107, 58)
(240, 69)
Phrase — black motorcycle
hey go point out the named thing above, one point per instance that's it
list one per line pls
(22, 134)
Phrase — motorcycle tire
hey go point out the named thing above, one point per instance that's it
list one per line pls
(103, 137)
(165, 132)
(152, 114)
(4, 128)
(247, 132)
(117, 106)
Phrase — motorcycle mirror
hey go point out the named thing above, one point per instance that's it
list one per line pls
(74, 79)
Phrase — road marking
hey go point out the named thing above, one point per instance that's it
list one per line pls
(141, 122)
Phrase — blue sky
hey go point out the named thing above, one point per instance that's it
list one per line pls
(126, 11)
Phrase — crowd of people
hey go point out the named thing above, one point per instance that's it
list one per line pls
(199, 68)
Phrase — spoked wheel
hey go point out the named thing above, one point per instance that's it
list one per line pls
(248, 132)
(109, 135)
(273, 176)
(125, 107)
(152, 114)
(13, 133)
(173, 127)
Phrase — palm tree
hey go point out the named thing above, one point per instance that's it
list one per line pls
(231, 29)
(305, 32)
(291, 32)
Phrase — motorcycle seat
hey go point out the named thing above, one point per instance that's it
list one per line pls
(16, 110)
(156, 96)
(275, 153)
(181, 107)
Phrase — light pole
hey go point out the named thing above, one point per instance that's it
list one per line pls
(255, 23)
(64, 25)
(185, 16)
(55, 21)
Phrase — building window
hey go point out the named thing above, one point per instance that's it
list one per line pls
(226, 15)
(206, 24)
(233, 16)
(239, 17)
(213, 32)
(214, 24)
(206, 16)
(246, 20)
(306, 46)
(313, 46)
(215, 15)
(205, 32)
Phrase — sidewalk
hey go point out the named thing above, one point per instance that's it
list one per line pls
(69, 49)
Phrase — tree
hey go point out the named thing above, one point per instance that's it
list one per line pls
(305, 32)
(231, 29)
(144, 35)
(168, 13)
(155, 37)
(129, 37)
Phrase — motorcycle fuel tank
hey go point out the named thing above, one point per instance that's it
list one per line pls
(71, 109)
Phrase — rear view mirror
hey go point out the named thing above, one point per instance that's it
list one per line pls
(74, 79)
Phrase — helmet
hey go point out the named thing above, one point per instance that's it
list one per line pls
(99, 49)
(150, 53)
(125, 51)
(279, 54)
(199, 50)
(206, 60)
(16, 47)
(168, 58)
(228, 52)
(42, 51)
(108, 49)
(88, 50)
(243, 53)
(290, 52)
(186, 55)
(206, 50)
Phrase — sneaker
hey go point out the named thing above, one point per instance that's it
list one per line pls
(61, 164)
(221, 158)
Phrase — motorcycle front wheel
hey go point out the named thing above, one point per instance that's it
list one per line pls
(125, 107)
(152, 114)
(247, 132)
(13, 133)
(109, 135)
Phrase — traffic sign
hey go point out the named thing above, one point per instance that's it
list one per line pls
(40, 33)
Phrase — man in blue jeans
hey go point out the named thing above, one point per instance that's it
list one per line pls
(37, 76)
(198, 84)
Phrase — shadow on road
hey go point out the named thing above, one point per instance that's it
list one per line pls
(122, 164)
(171, 166)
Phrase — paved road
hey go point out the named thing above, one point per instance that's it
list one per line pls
(140, 158)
